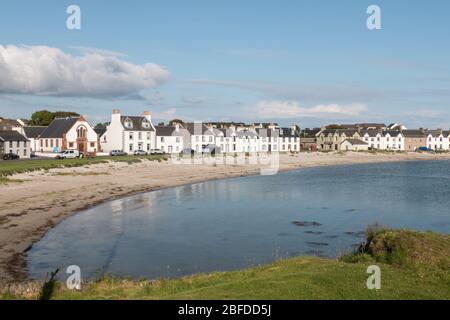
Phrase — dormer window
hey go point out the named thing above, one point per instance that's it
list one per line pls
(145, 124)
(128, 124)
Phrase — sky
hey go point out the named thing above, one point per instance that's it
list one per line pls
(304, 62)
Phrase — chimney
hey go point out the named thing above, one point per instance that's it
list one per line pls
(148, 115)
(115, 117)
(177, 127)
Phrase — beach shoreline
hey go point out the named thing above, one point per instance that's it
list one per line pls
(28, 210)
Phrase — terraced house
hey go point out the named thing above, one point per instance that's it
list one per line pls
(438, 139)
(384, 139)
(172, 139)
(331, 139)
(12, 141)
(129, 133)
(414, 139)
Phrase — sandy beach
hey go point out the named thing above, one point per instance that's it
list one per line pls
(31, 208)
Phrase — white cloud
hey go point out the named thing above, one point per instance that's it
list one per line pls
(168, 114)
(41, 70)
(292, 109)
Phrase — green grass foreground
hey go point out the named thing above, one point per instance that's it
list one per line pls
(413, 266)
(8, 168)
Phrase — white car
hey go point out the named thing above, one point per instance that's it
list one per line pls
(70, 154)
(156, 151)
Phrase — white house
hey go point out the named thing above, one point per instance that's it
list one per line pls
(437, 140)
(33, 134)
(268, 139)
(172, 139)
(354, 145)
(201, 135)
(384, 140)
(72, 133)
(289, 140)
(12, 141)
(129, 133)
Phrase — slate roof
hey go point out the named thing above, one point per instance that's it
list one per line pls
(196, 128)
(310, 133)
(287, 133)
(100, 131)
(355, 142)
(11, 135)
(33, 132)
(59, 127)
(137, 123)
(392, 133)
(164, 131)
(414, 133)
(370, 132)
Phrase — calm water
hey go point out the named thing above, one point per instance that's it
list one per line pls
(234, 223)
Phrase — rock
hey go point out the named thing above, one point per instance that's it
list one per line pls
(306, 223)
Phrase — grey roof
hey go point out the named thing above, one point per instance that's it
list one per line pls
(434, 133)
(347, 132)
(33, 132)
(100, 131)
(414, 133)
(11, 135)
(355, 142)
(195, 128)
(310, 133)
(137, 123)
(164, 131)
(288, 133)
(370, 132)
(446, 133)
(246, 133)
(262, 132)
(392, 133)
(59, 127)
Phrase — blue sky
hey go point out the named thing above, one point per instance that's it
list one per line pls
(308, 62)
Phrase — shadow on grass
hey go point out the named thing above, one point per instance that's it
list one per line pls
(49, 286)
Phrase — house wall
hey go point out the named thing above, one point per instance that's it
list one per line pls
(413, 143)
(50, 144)
(347, 146)
(170, 144)
(438, 142)
(21, 148)
(71, 138)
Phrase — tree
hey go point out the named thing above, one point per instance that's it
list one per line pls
(41, 118)
(45, 117)
(175, 121)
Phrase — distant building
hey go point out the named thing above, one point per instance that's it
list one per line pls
(383, 139)
(438, 140)
(12, 141)
(201, 135)
(331, 139)
(129, 133)
(172, 139)
(308, 139)
(33, 134)
(71, 133)
(354, 145)
(414, 139)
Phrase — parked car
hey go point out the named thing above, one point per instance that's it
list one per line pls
(156, 151)
(11, 156)
(188, 151)
(424, 149)
(140, 153)
(116, 153)
(70, 154)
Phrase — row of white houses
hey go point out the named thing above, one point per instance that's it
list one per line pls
(133, 133)
(129, 134)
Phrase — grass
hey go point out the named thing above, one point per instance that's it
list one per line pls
(5, 180)
(413, 266)
(8, 168)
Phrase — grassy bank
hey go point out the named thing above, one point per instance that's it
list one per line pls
(413, 266)
(8, 168)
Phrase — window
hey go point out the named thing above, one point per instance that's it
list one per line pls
(24, 152)
(57, 143)
(131, 147)
(149, 136)
(92, 144)
(70, 144)
(148, 146)
(46, 143)
(131, 136)
(197, 138)
(162, 139)
(177, 140)
(140, 135)
(24, 144)
(81, 132)
(210, 139)
(51, 143)
(128, 124)
(10, 144)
